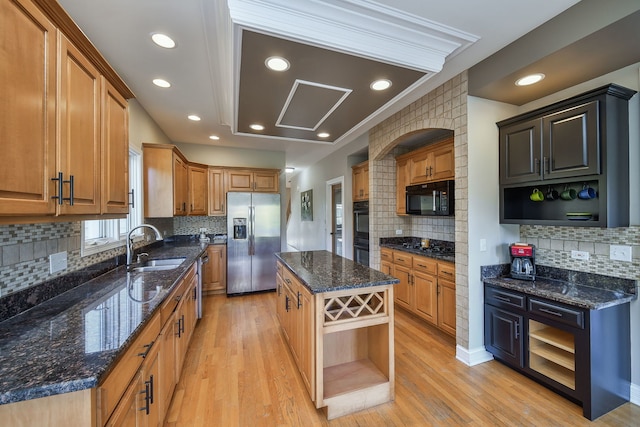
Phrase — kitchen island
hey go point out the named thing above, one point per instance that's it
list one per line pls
(337, 317)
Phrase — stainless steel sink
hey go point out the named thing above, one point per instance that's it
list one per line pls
(159, 264)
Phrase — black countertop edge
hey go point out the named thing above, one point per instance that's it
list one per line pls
(34, 363)
(323, 271)
(586, 290)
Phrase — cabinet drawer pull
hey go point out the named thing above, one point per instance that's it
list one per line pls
(145, 408)
(447, 273)
(60, 187)
(503, 299)
(517, 330)
(148, 348)
(299, 301)
(286, 303)
(401, 259)
(71, 190)
(546, 310)
(423, 266)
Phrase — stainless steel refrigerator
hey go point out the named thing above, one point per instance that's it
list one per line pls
(253, 236)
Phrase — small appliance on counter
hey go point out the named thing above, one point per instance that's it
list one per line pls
(523, 261)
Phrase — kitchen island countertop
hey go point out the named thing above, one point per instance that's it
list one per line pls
(68, 343)
(322, 271)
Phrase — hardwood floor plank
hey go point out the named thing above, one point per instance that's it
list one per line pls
(239, 372)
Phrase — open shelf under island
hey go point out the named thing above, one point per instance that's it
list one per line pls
(337, 317)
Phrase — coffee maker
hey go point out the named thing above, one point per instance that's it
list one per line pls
(523, 261)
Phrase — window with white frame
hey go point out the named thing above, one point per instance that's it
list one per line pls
(103, 234)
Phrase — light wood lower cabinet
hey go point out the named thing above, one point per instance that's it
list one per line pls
(138, 390)
(140, 404)
(427, 287)
(215, 271)
(341, 342)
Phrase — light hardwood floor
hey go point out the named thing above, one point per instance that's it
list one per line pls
(239, 372)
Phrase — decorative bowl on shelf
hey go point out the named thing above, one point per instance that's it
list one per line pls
(579, 216)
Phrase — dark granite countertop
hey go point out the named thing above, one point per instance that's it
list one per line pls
(71, 341)
(322, 271)
(412, 245)
(584, 290)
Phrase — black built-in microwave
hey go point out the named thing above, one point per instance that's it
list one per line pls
(430, 199)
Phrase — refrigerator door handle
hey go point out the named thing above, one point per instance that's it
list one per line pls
(252, 230)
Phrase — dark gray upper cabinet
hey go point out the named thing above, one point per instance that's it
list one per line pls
(580, 141)
(558, 145)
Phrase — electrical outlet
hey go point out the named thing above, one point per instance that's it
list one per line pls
(583, 255)
(398, 231)
(483, 245)
(57, 262)
(620, 253)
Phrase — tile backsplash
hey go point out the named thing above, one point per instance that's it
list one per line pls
(25, 248)
(554, 246)
(188, 225)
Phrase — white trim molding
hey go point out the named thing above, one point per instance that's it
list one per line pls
(359, 27)
(635, 394)
(473, 357)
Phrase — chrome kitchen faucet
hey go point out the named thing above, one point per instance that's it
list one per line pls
(130, 240)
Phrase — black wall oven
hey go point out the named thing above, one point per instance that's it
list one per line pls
(361, 232)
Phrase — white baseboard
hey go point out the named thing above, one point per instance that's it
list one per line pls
(473, 357)
(635, 394)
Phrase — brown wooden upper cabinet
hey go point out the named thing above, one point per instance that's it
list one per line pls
(172, 186)
(360, 177)
(217, 192)
(71, 139)
(434, 162)
(255, 180)
(402, 180)
(198, 188)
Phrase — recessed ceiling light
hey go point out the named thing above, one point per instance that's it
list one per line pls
(277, 63)
(256, 126)
(161, 83)
(289, 170)
(381, 84)
(323, 135)
(163, 40)
(530, 79)
(214, 137)
(194, 117)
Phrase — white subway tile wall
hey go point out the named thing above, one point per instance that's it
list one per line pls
(443, 108)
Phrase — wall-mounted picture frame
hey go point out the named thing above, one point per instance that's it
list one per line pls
(306, 203)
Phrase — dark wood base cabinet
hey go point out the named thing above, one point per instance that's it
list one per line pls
(582, 354)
